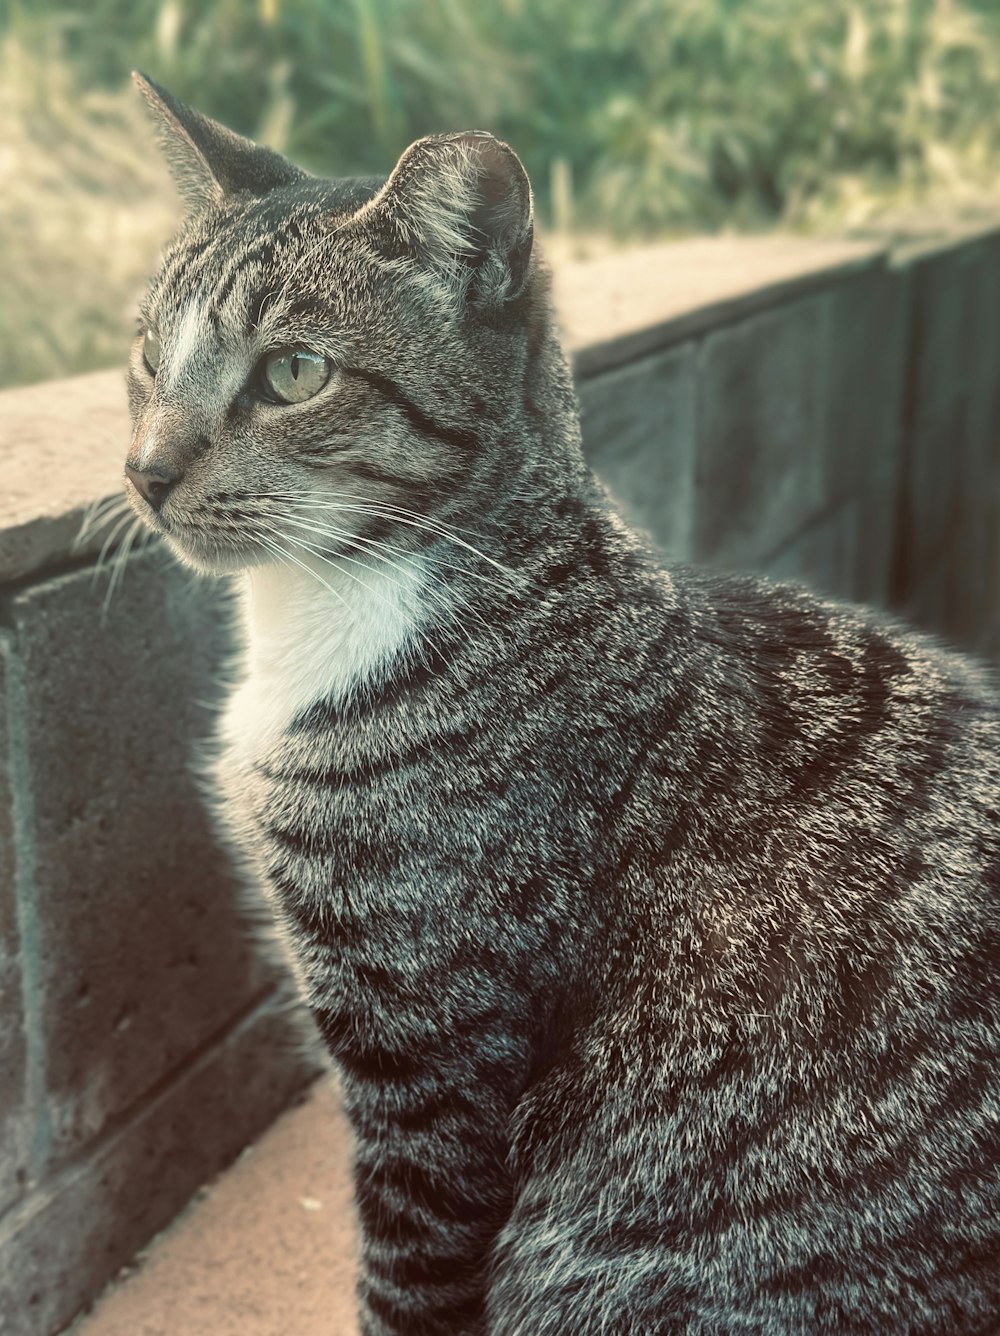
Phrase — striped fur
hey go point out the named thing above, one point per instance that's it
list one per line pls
(653, 917)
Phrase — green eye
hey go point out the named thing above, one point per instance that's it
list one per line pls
(294, 374)
(151, 350)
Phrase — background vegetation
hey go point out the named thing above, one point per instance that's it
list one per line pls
(634, 118)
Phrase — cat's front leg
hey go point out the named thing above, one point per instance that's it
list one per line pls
(432, 1184)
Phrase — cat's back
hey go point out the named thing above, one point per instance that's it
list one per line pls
(825, 851)
(771, 747)
(792, 1065)
(851, 739)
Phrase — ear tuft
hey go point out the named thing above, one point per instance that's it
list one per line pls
(461, 204)
(207, 161)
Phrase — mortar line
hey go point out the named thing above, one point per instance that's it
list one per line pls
(26, 908)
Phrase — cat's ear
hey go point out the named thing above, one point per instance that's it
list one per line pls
(462, 204)
(207, 161)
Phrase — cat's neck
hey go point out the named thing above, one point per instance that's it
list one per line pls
(318, 630)
(315, 631)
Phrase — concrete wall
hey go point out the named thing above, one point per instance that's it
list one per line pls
(822, 411)
(845, 434)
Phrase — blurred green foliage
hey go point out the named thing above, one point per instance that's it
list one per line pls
(634, 118)
(668, 113)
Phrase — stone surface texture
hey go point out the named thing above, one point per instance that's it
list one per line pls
(61, 450)
(639, 433)
(758, 477)
(142, 950)
(625, 304)
(946, 574)
(821, 410)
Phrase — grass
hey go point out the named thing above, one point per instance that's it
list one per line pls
(645, 118)
(85, 207)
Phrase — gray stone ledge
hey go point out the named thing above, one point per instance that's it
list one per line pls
(62, 444)
(912, 249)
(630, 303)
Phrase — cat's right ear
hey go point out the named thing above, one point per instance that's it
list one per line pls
(461, 205)
(207, 161)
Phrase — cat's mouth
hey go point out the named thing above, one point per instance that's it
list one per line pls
(212, 551)
(214, 541)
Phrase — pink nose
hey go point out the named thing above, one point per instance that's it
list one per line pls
(153, 484)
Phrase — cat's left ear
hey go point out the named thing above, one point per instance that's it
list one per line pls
(461, 203)
(207, 161)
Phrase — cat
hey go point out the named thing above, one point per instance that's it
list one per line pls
(652, 915)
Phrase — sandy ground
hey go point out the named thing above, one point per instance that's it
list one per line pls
(266, 1250)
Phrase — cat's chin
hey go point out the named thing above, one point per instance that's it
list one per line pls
(211, 559)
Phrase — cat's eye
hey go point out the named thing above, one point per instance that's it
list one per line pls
(151, 350)
(292, 375)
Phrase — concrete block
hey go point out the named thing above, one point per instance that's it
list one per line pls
(955, 317)
(986, 637)
(64, 1243)
(864, 383)
(270, 1250)
(143, 948)
(15, 1112)
(961, 600)
(953, 447)
(759, 473)
(974, 607)
(982, 307)
(824, 556)
(927, 606)
(957, 595)
(949, 476)
(982, 430)
(938, 329)
(639, 435)
(970, 588)
(950, 608)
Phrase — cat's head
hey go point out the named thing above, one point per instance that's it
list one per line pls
(346, 355)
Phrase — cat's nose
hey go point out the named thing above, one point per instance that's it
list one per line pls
(154, 484)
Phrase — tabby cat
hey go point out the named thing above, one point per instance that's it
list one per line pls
(652, 916)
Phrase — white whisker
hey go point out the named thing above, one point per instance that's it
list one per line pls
(353, 500)
(445, 601)
(99, 513)
(120, 561)
(283, 553)
(374, 543)
(409, 518)
(121, 523)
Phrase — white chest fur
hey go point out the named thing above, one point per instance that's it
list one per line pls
(313, 633)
